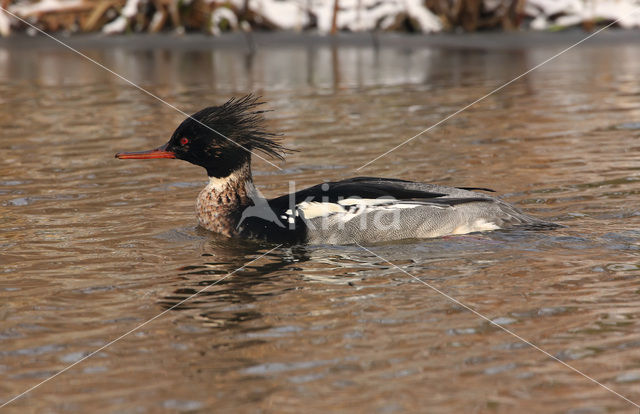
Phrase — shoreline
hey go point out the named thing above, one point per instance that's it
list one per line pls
(197, 41)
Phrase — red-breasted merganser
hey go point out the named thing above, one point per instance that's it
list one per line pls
(356, 210)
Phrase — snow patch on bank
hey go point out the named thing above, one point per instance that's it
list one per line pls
(561, 13)
(352, 15)
(27, 9)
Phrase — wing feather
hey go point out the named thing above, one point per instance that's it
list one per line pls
(376, 188)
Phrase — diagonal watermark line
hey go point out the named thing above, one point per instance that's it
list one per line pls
(470, 309)
(495, 90)
(135, 85)
(136, 328)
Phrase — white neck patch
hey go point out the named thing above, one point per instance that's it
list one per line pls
(239, 177)
(219, 184)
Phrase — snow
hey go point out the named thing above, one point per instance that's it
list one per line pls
(563, 13)
(363, 15)
(287, 15)
(551, 7)
(428, 21)
(120, 24)
(627, 13)
(24, 9)
(353, 15)
(5, 24)
(220, 14)
(130, 8)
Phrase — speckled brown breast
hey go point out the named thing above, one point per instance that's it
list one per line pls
(220, 204)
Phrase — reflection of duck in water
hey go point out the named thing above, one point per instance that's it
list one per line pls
(230, 300)
(356, 210)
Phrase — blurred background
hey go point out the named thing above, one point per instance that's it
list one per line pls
(323, 16)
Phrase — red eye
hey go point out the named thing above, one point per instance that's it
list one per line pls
(184, 141)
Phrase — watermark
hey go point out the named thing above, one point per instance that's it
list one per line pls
(304, 213)
(501, 327)
(325, 211)
(135, 85)
(68, 367)
(504, 85)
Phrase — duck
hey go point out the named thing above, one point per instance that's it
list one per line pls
(360, 210)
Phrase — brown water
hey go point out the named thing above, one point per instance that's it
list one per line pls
(93, 246)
